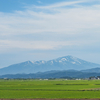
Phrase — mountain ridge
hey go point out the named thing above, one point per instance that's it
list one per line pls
(61, 63)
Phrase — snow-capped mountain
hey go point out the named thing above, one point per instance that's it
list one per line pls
(62, 63)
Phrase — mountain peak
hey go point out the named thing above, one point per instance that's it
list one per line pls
(68, 59)
(61, 63)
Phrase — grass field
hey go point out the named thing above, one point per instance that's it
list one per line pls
(20, 89)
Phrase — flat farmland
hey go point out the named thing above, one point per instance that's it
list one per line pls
(49, 89)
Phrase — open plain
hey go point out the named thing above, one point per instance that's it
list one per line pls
(59, 89)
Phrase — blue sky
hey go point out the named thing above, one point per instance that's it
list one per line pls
(47, 29)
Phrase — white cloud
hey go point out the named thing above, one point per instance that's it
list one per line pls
(61, 4)
(63, 21)
(34, 45)
(66, 21)
(9, 45)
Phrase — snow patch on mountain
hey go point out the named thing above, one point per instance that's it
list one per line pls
(60, 61)
(63, 59)
(51, 62)
(33, 62)
(73, 62)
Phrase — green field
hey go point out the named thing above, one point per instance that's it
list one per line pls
(49, 89)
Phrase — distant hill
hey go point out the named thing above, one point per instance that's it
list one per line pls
(93, 70)
(59, 64)
(69, 74)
